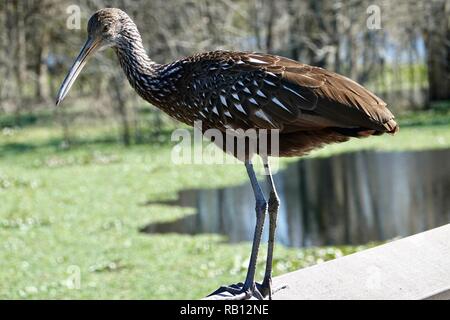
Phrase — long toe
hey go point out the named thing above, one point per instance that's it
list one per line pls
(237, 292)
(268, 290)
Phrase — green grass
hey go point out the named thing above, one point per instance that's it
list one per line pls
(79, 210)
(399, 77)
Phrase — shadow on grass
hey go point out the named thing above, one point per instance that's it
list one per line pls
(15, 148)
(178, 226)
(55, 145)
(436, 121)
(438, 115)
(59, 145)
(26, 119)
(48, 116)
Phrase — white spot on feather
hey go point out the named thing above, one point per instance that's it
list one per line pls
(270, 83)
(257, 61)
(240, 108)
(280, 104)
(294, 92)
(262, 115)
(261, 94)
(224, 101)
(251, 100)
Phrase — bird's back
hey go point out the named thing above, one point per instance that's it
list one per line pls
(310, 106)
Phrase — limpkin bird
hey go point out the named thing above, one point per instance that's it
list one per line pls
(309, 106)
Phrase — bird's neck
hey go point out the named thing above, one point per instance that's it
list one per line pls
(153, 82)
(140, 70)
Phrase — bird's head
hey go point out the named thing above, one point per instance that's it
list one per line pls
(106, 29)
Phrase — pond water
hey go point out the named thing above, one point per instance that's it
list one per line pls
(350, 198)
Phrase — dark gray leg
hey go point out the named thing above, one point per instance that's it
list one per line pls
(261, 207)
(274, 203)
(249, 288)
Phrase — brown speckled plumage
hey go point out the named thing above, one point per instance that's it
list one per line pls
(241, 90)
(306, 107)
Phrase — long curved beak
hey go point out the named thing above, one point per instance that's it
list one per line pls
(89, 48)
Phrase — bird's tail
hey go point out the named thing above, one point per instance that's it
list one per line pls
(390, 127)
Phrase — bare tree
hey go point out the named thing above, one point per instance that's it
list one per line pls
(437, 39)
(37, 47)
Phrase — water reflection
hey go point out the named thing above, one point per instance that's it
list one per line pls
(345, 199)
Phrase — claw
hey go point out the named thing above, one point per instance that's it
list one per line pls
(266, 288)
(238, 292)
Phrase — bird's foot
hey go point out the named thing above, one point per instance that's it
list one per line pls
(267, 290)
(238, 292)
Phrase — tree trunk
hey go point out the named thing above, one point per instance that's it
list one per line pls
(437, 42)
(270, 22)
(42, 84)
(21, 63)
(121, 101)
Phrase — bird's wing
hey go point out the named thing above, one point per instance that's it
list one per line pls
(266, 91)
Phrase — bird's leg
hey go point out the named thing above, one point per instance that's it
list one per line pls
(274, 203)
(249, 289)
(261, 207)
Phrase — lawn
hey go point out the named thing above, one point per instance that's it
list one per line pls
(70, 217)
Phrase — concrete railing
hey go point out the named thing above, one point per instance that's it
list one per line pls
(416, 267)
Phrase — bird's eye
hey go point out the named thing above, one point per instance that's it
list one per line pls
(105, 29)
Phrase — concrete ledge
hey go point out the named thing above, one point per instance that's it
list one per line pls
(416, 267)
